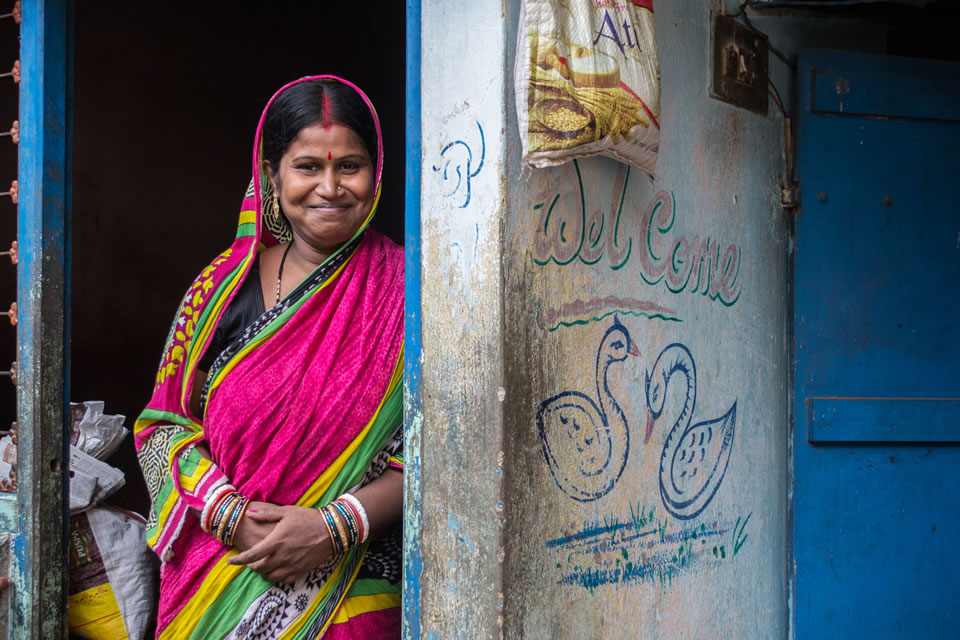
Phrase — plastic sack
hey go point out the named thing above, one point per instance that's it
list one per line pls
(91, 481)
(94, 432)
(587, 81)
(111, 575)
(8, 463)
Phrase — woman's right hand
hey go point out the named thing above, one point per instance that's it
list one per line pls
(250, 531)
(297, 546)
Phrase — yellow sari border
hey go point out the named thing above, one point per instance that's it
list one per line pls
(206, 331)
(358, 605)
(222, 573)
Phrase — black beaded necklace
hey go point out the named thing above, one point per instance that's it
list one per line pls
(280, 270)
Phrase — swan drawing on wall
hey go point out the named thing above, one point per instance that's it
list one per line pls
(694, 458)
(586, 443)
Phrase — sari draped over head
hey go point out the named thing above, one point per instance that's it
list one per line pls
(303, 407)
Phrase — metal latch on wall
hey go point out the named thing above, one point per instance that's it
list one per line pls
(741, 77)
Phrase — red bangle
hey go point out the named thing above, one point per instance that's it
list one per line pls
(225, 491)
(356, 515)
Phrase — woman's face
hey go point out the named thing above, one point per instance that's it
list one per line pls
(325, 183)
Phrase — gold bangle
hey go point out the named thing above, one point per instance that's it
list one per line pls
(329, 530)
(225, 520)
(341, 528)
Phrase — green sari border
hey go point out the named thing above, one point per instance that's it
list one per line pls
(247, 587)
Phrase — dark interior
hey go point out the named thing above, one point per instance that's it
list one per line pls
(166, 104)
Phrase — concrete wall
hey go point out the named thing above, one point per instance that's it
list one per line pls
(634, 562)
(463, 212)
(530, 528)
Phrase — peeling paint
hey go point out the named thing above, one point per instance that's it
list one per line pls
(462, 391)
(508, 322)
(626, 252)
(39, 572)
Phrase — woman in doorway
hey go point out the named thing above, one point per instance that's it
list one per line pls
(272, 443)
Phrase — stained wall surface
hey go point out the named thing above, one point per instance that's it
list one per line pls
(605, 355)
(663, 514)
(463, 208)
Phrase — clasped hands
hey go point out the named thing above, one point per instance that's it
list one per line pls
(282, 543)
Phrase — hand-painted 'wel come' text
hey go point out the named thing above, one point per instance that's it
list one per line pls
(700, 264)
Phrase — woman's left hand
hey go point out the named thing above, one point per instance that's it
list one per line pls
(298, 544)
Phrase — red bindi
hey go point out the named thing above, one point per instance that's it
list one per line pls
(329, 156)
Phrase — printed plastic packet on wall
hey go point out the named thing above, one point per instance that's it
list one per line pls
(587, 81)
(111, 575)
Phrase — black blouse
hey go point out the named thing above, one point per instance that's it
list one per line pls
(244, 309)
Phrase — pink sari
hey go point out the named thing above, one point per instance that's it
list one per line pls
(305, 406)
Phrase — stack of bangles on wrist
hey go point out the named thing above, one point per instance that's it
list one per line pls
(222, 514)
(346, 522)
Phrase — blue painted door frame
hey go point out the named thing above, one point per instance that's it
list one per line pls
(412, 559)
(875, 501)
(39, 566)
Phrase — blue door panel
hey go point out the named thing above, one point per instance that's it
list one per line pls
(877, 420)
(879, 557)
(916, 420)
(877, 249)
(900, 94)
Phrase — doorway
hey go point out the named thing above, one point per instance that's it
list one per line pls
(166, 103)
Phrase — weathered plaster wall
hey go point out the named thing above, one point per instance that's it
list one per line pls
(633, 562)
(463, 131)
(532, 528)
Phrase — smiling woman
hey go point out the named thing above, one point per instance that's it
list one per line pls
(324, 186)
(272, 445)
(320, 157)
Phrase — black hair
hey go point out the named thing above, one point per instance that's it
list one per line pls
(303, 105)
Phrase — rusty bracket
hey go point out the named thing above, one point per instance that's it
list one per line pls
(14, 132)
(16, 13)
(12, 372)
(14, 192)
(13, 73)
(790, 195)
(13, 252)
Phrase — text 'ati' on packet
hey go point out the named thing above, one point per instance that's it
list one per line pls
(587, 81)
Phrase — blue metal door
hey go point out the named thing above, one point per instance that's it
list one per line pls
(876, 503)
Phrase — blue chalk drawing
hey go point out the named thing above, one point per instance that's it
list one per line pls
(586, 444)
(457, 167)
(694, 458)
